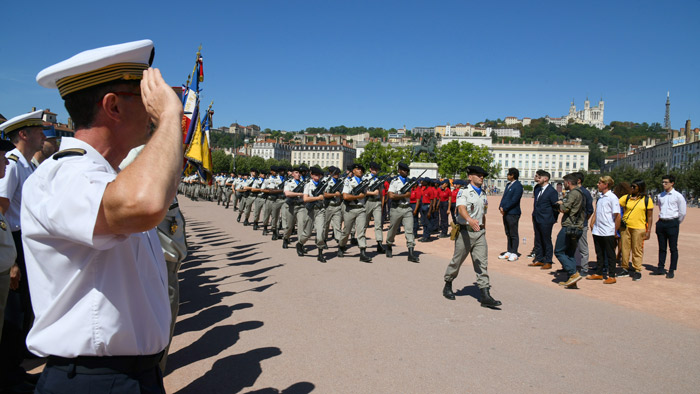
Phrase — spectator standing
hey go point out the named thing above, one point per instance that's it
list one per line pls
(510, 210)
(544, 216)
(636, 228)
(604, 226)
(573, 208)
(672, 210)
(582, 248)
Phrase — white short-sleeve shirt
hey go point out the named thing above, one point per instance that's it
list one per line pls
(103, 295)
(607, 206)
(395, 187)
(16, 173)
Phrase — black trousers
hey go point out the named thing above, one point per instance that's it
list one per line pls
(55, 381)
(510, 223)
(605, 254)
(667, 234)
(443, 216)
(543, 242)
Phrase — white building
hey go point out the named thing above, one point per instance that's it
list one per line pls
(478, 141)
(515, 133)
(592, 116)
(557, 159)
(323, 155)
(272, 150)
(511, 120)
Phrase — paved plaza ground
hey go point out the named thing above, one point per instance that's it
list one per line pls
(257, 318)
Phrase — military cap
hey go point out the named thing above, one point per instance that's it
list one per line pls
(404, 166)
(297, 169)
(97, 66)
(349, 167)
(316, 170)
(446, 180)
(274, 168)
(255, 170)
(471, 170)
(374, 165)
(358, 165)
(32, 119)
(303, 168)
(50, 132)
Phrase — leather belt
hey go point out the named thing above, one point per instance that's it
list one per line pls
(93, 365)
(668, 220)
(334, 204)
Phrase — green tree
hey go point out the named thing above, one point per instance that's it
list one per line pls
(454, 157)
(221, 161)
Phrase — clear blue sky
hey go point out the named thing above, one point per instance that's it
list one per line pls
(294, 64)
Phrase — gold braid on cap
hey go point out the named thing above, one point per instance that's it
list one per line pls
(113, 72)
(25, 123)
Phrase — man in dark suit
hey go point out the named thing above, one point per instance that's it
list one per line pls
(510, 209)
(544, 218)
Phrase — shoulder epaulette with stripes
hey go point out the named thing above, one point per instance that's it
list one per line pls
(69, 152)
(13, 157)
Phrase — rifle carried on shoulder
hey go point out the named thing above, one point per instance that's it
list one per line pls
(298, 189)
(322, 185)
(411, 183)
(379, 182)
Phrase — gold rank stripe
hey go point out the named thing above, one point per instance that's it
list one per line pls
(74, 83)
(23, 124)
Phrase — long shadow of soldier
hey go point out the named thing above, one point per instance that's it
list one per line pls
(234, 373)
(208, 317)
(210, 344)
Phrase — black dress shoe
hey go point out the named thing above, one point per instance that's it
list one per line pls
(659, 272)
(300, 249)
(285, 243)
(669, 275)
(389, 253)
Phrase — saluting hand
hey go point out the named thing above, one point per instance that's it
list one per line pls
(158, 97)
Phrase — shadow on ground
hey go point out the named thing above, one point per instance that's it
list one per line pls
(201, 297)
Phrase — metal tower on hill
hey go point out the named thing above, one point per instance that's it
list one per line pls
(667, 118)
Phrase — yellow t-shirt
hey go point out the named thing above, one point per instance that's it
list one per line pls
(635, 212)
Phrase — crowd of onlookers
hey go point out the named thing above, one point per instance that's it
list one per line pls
(619, 216)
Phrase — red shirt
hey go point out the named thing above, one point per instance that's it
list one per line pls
(428, 194)
(453, 198)
(444, 194)
(416, 194)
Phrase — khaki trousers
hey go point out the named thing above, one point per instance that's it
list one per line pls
(400, 216)
(473, 242)
(317, 218)
(374, 208)
(633, 241)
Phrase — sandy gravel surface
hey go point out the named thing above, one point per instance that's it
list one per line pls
(257, 318)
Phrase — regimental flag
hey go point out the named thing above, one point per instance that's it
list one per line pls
(190, 99)
(198, 153)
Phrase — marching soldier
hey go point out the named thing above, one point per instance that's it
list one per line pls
(260, 197)
(333, 203)
(273, 189)
(316, 215)
(228, 190)
(471, 238)
(295, 210)
(354, 214)
(247, 200)
(373, 206)
(401, 214)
